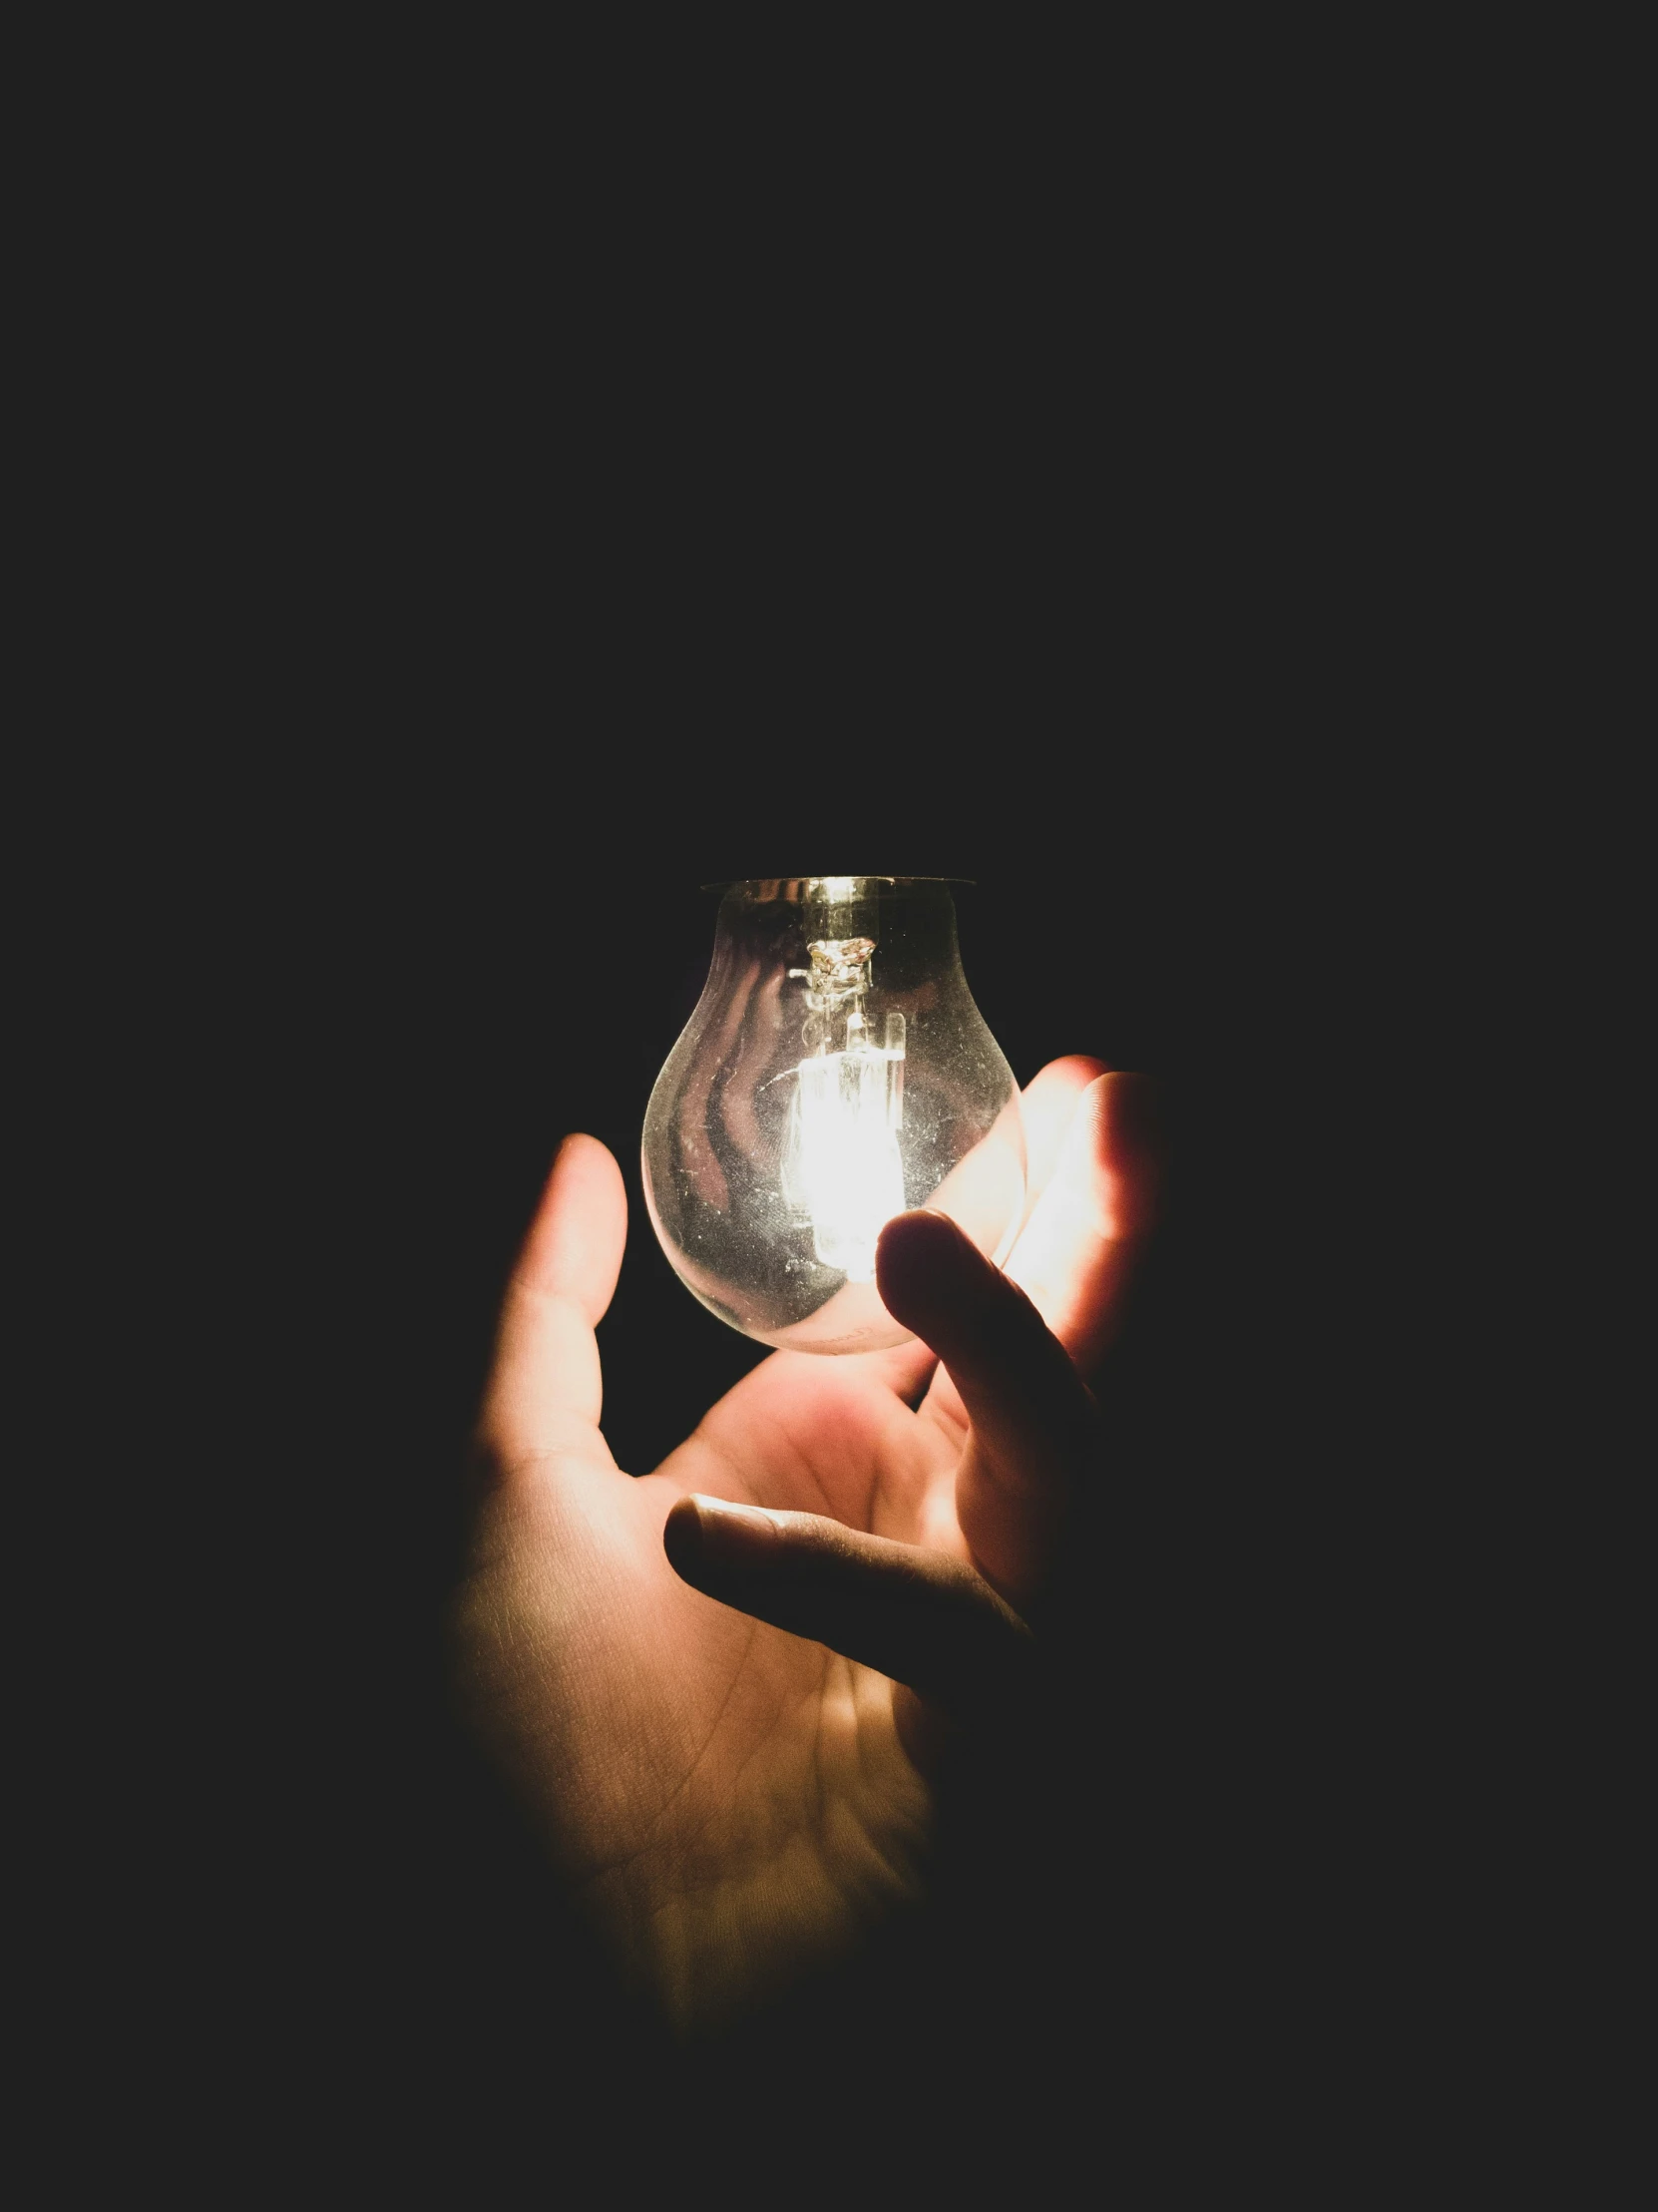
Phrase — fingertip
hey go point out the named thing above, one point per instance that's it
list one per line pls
(703, 1532)
(921, 1228)
(927, 1268)
(683, 1537)
(578, 1154)
(575, 1241)
(1071, 1072)
(916, 1254)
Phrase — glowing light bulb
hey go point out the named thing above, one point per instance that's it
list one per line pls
(835, 1072)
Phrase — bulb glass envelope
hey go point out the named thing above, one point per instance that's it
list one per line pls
(836, 1071)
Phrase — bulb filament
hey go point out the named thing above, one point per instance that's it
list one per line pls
(842, 1173)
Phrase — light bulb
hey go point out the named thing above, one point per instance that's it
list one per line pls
(835, 1072)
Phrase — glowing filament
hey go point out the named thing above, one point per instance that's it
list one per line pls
(842, 1173)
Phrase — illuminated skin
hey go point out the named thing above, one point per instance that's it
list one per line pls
(733, 1803)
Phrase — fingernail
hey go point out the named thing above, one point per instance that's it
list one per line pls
(733, 1536)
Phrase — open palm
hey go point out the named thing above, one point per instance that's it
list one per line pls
(737, 1795)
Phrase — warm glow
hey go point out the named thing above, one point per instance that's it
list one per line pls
(841, 1167)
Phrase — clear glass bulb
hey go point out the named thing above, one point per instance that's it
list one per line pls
(835, 1072)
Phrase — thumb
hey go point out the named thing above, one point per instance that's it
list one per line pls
(544, 1389)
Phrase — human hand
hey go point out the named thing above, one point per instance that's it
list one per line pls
(726, 1688)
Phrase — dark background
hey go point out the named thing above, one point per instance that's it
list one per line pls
(1172, 1893)
(574, 511)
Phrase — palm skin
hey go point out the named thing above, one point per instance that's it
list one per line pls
(735, 1804)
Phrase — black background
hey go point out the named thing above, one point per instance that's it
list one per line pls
(571, 520)
(1172, 1893)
